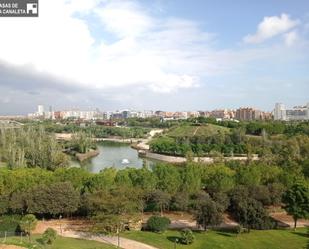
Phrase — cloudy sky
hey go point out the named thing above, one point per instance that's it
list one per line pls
(156, 54)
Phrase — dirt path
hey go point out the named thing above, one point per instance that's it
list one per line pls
(143, 144)
(2, 246)
(196, 131)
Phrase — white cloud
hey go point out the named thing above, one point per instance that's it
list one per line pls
(291, 38)
(129, 47)
(159, 55)
(124, 18)
(271, 27)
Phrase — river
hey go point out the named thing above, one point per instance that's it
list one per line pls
(118, 155)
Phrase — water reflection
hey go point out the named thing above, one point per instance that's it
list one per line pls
(116, 155)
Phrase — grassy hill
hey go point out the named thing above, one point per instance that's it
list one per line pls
(205, 130)
(270, 239)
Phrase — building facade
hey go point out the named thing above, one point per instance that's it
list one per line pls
(297, 113)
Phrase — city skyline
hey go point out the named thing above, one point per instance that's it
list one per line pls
(280, 112)
(168, 55)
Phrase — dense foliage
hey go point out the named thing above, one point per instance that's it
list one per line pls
(31, 148)
(157, 223)
(212, 140)
(97, 130)
(115, 199)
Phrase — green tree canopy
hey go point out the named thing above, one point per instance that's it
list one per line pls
(296, 200)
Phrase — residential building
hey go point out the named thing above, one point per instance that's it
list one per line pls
(297, 113)
(248, 114)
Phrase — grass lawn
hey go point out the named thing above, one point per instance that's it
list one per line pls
(197, 131)
(272, 239)
(60, 243)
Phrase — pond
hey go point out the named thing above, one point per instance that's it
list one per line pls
(118, 155)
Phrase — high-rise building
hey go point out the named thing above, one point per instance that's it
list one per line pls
(40, 110)
(245, 114)
(249, 114)
(296, 113)
(280, 112)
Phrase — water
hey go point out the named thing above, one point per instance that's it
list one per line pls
(113, 154)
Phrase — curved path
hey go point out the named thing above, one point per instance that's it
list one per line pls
(113, 240)
(73, 229)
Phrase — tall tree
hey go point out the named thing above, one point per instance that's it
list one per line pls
(207, 211)
(296, 200)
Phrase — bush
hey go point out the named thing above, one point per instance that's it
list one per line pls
(158, 224)
(9, 223)
(49, 236)
(187, 237)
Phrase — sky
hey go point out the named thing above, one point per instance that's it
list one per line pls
(155, 54)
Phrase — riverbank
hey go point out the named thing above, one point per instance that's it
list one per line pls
(120, 140)
(84, 156)
(68, 137)
(142, 146)
(179, 160)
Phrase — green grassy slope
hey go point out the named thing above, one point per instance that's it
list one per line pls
(272, 239)
(60, 243)
(190, 131)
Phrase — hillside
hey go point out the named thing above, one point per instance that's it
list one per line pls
(205, 130)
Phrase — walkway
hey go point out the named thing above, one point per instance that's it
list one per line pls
(113, 240)
(74, 229)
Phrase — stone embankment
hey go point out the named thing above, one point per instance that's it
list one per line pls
(84, 156)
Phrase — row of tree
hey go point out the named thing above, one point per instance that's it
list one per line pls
(274, 149)
(115, 198)
(31, 147)
(96, 130)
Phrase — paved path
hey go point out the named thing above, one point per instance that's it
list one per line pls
(196, 131)
(124, 243)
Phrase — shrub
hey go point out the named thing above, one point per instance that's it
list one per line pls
(187, 237)
(28, 223)
(49, 236)
(158, 224)
(9, 223)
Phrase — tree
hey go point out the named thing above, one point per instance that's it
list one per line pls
(158, 223)
(54, 199)
(27, 224)
(186, 236)
(143, 178)
(49, 236)
(191, 176)
(4, 204)
(207, 211)
(160, 199)
(249, 212)
(117, 201)
(109, 224)
(218, 178)
(180, 201)
(82, 142)
(296, 200)
(168, 178)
